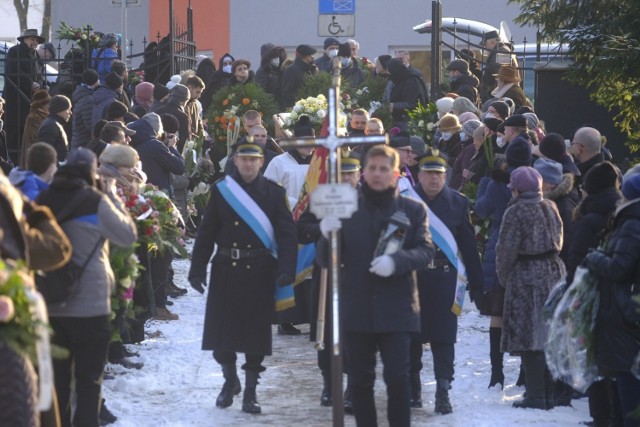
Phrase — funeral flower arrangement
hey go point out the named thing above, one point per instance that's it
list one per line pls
(422, 121)
(18, 323)
(126, 270)
(79, 35)
(316, 109)
(200, 171)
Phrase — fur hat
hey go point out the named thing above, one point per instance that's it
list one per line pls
(303, 127)
(631, 187)
(40, 98)
(525, 178)
(90, 76)
(599, 178)
(518, 153)
(58, 104)
(120, 155)
(449, 122)
(508, 74)
(113, 81)
(501, 107)
(444, 105)
(154, 121)
(550, 170)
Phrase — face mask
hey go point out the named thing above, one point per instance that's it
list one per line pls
(463, 136)
(275, 62)
(447, 135)
(453, 78)
(345, 62)
(333, 53)
(488, 115)
(500, 141)
(226, 68)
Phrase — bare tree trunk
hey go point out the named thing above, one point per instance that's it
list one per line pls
(46, 20)
(22, 8)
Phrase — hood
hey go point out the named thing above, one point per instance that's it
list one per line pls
(222, 58)
(144, 132)
(274, 52)
(18, 176)
(562, 189)
(603, 204)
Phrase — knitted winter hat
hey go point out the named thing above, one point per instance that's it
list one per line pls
(58, 104)
(599, 178)
(553, 147)
(90, 76)
(170, 123)
(120, 155)
(470, 126)
(631, 187)
(518, 153)
(462, 105)
(144, 92)
(113, 81)
(115, 110)
(525, 178)
(180, 92)
(154, 121)
(303, 127)
(160, 91)
(501, 107)
(550, 170)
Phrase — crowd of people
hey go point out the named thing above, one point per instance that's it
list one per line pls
(409, 252)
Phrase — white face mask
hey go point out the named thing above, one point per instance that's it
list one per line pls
(275, 62)
(447, 135)
(333, 53)
(345, 62)
(489, 115)
(500, 141)
(463, 136)
(226, 68)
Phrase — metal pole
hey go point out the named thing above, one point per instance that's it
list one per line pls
(171, 37)
(123, 31)
(436, 48)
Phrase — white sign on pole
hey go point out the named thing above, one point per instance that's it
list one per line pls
(335, 25)
(340, 200)
(130, 3)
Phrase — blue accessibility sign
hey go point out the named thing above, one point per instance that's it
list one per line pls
(344, 7)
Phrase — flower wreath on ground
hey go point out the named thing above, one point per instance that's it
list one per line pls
(228, 106)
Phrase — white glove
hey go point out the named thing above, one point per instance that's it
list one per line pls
(328, 224)
(383, 266)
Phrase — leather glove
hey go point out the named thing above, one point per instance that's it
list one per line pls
(328, 224)
(383, 266)
(284, 279)
(198, 283)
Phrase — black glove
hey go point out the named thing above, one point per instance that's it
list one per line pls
(284, 279)
(477, 296)
(198, 283)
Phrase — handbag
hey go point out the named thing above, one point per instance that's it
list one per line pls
(59, 285)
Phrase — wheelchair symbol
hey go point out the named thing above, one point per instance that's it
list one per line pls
(334, 27)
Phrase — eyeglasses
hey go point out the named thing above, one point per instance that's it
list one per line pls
(406, 150)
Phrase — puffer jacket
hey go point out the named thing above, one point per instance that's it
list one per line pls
(82, 112)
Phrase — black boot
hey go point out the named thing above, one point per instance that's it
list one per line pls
(497, 376)
(521, 377)
(250, 401)
(105, 416)
(325, 396)
(231, 386)
(348, 403)
(535, 371)
(416, 390)
(443, 404)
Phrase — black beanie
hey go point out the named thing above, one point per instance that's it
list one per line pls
(90, 76)
(518, 153)
(383, 59)
(113, 81)
(170, 123)
(58, 104)
(116, 109)
(600, 177)
(501, 107)
(160, 91)
(303, 127)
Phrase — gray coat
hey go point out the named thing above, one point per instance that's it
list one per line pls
(528, 266)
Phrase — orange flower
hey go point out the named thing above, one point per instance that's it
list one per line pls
(225, 102)
(245, 101)
(217, 119)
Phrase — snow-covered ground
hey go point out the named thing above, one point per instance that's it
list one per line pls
(179, 383)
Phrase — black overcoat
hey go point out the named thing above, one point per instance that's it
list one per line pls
(371, 303)
(437, 286)
(241, 300)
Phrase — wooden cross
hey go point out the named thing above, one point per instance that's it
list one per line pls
(333, 143)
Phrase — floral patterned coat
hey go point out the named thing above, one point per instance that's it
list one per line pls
(528, 266)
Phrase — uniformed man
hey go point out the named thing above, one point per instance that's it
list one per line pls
(438, 282)
(249, 221)
(309, 232)
(380, 307)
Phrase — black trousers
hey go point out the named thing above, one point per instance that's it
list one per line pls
(87, 339)
(253, 362)
(443, 357)
(394, 352)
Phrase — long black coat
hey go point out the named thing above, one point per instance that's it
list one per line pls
(371, 303)
(438, 286)
(20, 73)
(292, 79)
(241, 302)
(617, 342)
(52, 132)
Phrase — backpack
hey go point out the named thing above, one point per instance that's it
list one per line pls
(59, 286)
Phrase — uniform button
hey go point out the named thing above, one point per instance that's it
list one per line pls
(248, 246)
(235, 245)
(233, 264)
(236, 223)
(248, 267)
